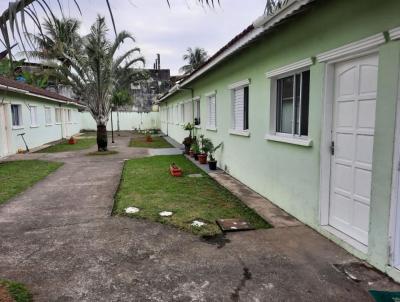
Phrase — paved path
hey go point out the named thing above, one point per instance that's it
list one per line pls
(58, 238)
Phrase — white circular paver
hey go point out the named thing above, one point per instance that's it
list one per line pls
(198, 224)
(131, 210)
(165, 214)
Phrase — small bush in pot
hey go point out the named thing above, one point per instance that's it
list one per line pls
(196, 150)
(188, 141)
(205, 146)
(212, 162)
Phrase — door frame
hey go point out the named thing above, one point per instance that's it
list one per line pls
(326, 138)
(394, 223)
(6, 131)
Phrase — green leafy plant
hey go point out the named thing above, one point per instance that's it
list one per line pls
(212, 149)
(195, 146)
(34, 79)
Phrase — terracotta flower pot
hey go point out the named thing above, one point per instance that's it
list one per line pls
(72, 141)
(149, 139)
(175, 170)
(191, 153)
(203, 159)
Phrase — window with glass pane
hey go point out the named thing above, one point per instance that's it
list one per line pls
(58, 115)
(292, 104)
(197, 112)
(16, 115)
(47, 114)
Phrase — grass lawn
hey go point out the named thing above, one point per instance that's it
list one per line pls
(147, 185)
(16, 290)
(17, 176)
(63, 146)
(139, 141)
(97, 153)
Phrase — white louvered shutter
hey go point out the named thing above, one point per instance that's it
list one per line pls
(238, 109)
(212, 119)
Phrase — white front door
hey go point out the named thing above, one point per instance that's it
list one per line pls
(353, 127)
(4, 131)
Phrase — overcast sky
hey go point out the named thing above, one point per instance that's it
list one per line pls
(169, 31)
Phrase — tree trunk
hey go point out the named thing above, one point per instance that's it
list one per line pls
(102, 137)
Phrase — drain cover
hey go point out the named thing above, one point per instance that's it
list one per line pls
(195, 175)
(233, 225)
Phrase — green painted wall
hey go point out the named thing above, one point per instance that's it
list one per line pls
(40, 134)
(289, 175)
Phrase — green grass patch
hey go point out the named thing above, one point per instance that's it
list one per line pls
(100, 153)
(64, 146)
(147, 184)
(17, 176)
(139, 141)
(17, 291)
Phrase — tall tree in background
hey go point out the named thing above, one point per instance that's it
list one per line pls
(59, 40)
(97, 72)
(195, 58)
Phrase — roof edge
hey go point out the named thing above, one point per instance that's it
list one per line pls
(259, 26)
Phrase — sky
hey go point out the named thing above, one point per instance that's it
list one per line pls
(169, 31)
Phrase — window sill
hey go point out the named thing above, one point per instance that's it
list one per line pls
(34, 126)
(197, 126)
(305, 142)
(17, 127)
(211, 129)
(58, 123)
(48, 125)
(245, 133)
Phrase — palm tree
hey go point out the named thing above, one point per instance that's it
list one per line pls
(59, 40)
(97, 72)
(194, 58)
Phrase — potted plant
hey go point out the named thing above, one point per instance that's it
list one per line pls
(175, 170)
(149, 139)
(212, 163)
(205, 144)
(72, 140)
(196, 149)
(188, 141)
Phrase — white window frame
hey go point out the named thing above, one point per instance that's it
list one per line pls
(273, 76)
(48, 116)
(233, 87)
(20, 117)
(209, 96)
(33, 114)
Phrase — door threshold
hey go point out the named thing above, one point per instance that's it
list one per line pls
(346, 238)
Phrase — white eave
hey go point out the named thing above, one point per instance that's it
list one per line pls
(26, 92)
(261, 25)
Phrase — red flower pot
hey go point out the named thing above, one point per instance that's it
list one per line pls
(149, 139)
(202, 159)
(175, 170)
(72, 141)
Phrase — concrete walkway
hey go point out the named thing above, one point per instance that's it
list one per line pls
(58, 238)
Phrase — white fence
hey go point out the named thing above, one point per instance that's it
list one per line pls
(127, 121)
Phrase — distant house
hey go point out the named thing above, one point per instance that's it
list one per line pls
(146, 92)
(306, 102)
(42, 115)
